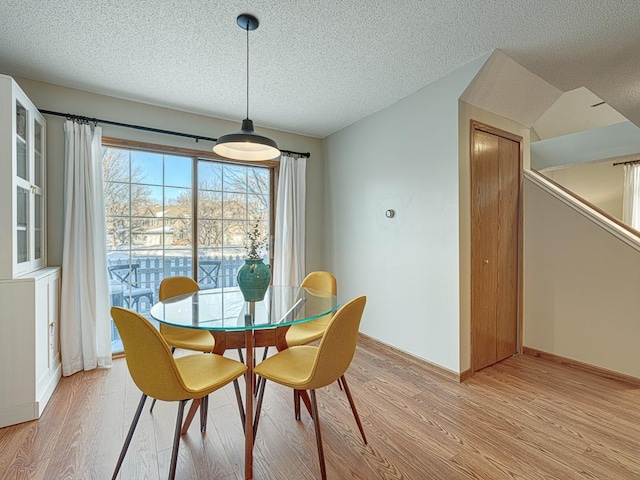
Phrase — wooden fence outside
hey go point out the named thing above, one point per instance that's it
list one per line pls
(149, 273)
(151, 270)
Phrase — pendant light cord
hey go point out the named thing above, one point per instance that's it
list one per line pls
(247, 69)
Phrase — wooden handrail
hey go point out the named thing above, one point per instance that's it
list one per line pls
(621, 230)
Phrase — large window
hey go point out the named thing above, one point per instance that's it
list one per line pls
(169, 214)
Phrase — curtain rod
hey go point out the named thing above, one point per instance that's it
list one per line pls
(95, 121)
(629, 161)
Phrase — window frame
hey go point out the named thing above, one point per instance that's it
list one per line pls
(195, 155)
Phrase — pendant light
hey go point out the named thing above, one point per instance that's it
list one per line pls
(246, 144)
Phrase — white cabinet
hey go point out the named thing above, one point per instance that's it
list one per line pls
(29, 292)
(22, 182)
(30, 353)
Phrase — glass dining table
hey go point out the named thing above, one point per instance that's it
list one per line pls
(235, 324)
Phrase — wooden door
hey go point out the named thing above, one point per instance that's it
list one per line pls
(496, 175)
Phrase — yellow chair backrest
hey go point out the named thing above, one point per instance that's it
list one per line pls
(149, 358)
(320, 280)
(173, 286)
(338, 344)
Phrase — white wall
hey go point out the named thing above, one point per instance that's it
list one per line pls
(581, 287)
(609, 142)
(66, 100)
(404, 158)
(600, 183)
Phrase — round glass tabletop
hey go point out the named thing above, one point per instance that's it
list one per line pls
(225, 309)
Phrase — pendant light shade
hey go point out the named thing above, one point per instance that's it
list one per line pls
(246, 144)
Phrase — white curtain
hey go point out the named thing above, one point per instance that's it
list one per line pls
(85, 335)
(289, 245)
(631, 195)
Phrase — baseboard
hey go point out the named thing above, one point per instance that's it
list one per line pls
(48, 390)
(462, 376)
(406, 356)
(585, 367)
(18, 414)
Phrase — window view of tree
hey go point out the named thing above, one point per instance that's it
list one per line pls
(230, 198)
(120, 193)
(158, 221)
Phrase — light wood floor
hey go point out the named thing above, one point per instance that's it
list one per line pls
(524, 418)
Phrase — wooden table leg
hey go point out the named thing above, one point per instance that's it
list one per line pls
(248, 422)
(223, 341)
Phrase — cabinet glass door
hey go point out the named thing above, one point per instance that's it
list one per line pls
(38, 158)
(38, 180)
(22, 158)
(22, 226)
(38, 230)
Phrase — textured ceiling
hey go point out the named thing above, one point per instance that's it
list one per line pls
(316, 66)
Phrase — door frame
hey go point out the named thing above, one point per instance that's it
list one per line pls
(474, 129)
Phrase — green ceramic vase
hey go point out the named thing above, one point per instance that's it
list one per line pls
(253, 279)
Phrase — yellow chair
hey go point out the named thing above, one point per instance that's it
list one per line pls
(307, 332)
(308, 367)
(186, 338)
(176, 337)
(159, 375)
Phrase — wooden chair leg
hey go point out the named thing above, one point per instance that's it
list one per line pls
(127, 441)
(353, 408)
(261, 384)
(301, 395)
(316, 423)
(204, 411)
(304, 396)
(239, 400)
(296, 404)
(176, 440)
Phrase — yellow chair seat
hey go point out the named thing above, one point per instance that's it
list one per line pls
(196, 371)
(292, 367)
(189, 339)
(307, 332)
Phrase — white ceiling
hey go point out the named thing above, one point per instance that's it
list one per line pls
(316, 66)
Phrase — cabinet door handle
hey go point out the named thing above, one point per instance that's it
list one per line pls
(52, 324)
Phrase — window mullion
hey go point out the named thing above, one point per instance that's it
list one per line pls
(194, 220)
